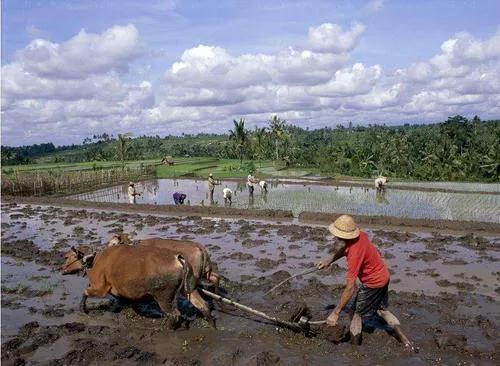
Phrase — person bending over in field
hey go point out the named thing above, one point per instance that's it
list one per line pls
(363, 262)
(380, 183)
(179, 198)
(228, 196)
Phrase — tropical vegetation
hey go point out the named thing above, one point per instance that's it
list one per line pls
(456, 149)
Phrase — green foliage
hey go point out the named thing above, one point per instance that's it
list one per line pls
(457, 149)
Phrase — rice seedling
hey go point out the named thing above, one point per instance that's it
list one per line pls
(322, 198)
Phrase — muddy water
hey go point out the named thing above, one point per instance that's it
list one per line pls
(319, 198)
(446, 288)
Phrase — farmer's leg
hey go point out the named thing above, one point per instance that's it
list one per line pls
(394, 323)
(211, 195)
(355, 328)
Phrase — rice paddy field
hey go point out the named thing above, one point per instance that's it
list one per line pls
(302, 195)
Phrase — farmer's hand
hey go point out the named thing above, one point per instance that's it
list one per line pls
(323, 263)
(333, 318)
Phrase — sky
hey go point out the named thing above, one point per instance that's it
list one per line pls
(75, 68)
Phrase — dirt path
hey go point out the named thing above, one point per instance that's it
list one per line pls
(445, 292)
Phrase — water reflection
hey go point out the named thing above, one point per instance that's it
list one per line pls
(318, 198)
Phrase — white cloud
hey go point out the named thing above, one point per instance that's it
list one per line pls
(83, 55)
(331, 38)
(347, 82)
(48, 95)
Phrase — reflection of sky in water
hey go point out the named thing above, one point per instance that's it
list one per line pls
(318, 198)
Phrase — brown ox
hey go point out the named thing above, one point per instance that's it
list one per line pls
(195, 253)
(135, 272)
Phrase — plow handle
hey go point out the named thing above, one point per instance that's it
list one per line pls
(283, 323)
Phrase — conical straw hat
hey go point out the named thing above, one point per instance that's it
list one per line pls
(344, 228)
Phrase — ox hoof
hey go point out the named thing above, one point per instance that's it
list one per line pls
(84, 309)
(174, 322)
(212, 322)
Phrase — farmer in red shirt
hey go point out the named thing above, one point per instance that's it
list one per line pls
(363, 262)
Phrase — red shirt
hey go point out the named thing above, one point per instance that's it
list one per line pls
(364, 261)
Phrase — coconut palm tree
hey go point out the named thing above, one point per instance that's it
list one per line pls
(260, 134)
(277, 127)
(122, 147)
(240, 137)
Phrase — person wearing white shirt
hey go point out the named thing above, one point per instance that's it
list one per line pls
(380, 183)
(251, 181)
(228, 195)
(263, 186)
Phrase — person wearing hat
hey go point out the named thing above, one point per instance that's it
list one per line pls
(364, 262)
(211, 186)
(251, 181)
(228, 195)
(132, 193)
(380, 183)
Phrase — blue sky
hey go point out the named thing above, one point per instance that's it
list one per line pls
(309, 81)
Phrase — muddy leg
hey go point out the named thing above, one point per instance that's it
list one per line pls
(83, 304)
(92, 292)
(394, 323)
(202, 306)
(165, 300)
(355, 329)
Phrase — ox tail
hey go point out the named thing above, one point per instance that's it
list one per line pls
(188, 283)
(210, 274)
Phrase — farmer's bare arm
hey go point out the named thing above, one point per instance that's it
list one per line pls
(329, 260)
(344, 299)
(346, 295)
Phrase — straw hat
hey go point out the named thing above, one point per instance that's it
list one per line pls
(344, 228)
(130, 183)
(210, 175)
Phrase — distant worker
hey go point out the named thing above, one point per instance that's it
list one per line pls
(365, 263)
(263, 186)
(380, 183)
(251, 181)
(179, 198)
(228, 195)
(211, 186)
(132, 193)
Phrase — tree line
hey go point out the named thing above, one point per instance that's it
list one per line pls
(456, 149)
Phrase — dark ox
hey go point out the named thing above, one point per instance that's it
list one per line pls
(136, 272)
(195, 253)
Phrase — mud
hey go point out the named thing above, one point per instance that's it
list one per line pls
(454, 225)
(444, 290)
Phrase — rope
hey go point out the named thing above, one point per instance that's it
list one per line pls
(307, 271)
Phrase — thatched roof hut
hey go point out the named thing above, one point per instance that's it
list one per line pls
(168, 160)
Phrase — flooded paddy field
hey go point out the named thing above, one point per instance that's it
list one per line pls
(302, 195)
(445, 290)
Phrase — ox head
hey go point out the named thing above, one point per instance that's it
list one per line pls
(76, 260)
(117, 239)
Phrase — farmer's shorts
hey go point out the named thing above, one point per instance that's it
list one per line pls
(368, 300)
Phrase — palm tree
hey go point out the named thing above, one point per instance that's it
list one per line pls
(240, 137)
(122, 147)
(260, 133)
(277, 127)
